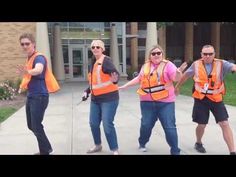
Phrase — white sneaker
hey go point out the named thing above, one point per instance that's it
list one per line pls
(142, 149)
(116, 152)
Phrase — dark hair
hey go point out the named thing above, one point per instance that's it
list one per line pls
(28, 36)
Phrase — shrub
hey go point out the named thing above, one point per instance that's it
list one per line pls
(7, 90)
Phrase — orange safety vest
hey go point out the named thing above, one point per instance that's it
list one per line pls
(153, 83)
(100, 83)
(212, 85)
(51, 82)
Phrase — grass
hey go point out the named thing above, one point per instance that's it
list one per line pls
(230, 83)
(6, 112)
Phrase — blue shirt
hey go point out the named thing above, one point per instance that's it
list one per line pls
(37, 84)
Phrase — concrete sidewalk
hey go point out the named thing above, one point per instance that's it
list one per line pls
(67, 127)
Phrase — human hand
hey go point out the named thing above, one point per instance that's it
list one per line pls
(177, 91)
(85, 96)
(19, 91)
(114, 77)
(21, 70)
(183, 66)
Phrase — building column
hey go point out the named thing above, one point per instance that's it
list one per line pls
(42, 41)
(188, 48)
(134, 46)
(58, 61)
(151, 38)
(124, 73)
(162, 38)
(114, 50)
(215, 37)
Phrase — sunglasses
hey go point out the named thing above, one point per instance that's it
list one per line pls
(25, 43)
(155, 53)
(97, 47)
(205, 54)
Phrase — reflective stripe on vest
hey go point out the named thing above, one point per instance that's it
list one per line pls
(153, 83)
(158, 88)
(210, 86)
(100, 82)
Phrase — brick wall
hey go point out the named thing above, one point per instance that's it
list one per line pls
(10, 50)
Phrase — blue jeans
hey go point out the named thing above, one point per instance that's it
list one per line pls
(35, 109)
(104, 112)
(151, 111)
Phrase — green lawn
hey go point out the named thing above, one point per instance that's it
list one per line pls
(5, 113)
(229, 97)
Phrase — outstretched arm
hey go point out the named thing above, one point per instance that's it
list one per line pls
(134, 81)
(234, 68)
(179, 71)
(182, 80)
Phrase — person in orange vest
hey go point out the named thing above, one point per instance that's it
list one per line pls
(39, 81)
(103, 78)
(157, 98)
(208, 90)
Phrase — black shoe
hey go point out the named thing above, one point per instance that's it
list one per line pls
(44, 153)
(232, 153)
(199, 147)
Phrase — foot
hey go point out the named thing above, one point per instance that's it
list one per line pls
(96, 148)
(142, 149)
(199, 147)
(44, 153)
(116, 152)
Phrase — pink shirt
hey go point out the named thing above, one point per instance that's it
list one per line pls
(169, 75)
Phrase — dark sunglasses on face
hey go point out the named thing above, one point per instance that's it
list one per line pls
(154, 53)
(25, 43)
(97, 47)
(205, 54)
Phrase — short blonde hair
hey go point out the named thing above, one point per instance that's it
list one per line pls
(153, 48)
(28, 36)
(98, 43)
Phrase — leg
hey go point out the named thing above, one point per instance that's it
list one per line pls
(38, 105)
(199, 132)
(200, 115)
(221, 116)
(28, 113)
(94, 121)
(166, 116)
(228, 135)
(148, 120)
(108, 115)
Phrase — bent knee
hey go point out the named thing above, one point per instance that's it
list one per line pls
(223, 123)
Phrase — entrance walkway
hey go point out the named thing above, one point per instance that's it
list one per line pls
(67, 127)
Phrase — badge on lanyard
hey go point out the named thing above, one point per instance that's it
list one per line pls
(206, 85)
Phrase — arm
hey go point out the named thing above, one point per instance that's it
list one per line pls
(134, 81)
(233, 68)
(109, 68)
(40, 63)
(182, 80)
(179, 71)
(38, 69)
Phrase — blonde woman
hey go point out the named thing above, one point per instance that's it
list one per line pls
(157, 97)
(103, 78)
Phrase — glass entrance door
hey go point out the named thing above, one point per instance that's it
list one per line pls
(77, 62)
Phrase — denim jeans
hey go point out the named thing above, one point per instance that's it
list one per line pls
(151, 111)
(104, 112)
(35, 109)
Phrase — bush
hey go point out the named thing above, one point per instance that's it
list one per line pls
(131, 73)
(8, 90)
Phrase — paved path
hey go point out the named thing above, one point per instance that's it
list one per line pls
(67, 127)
